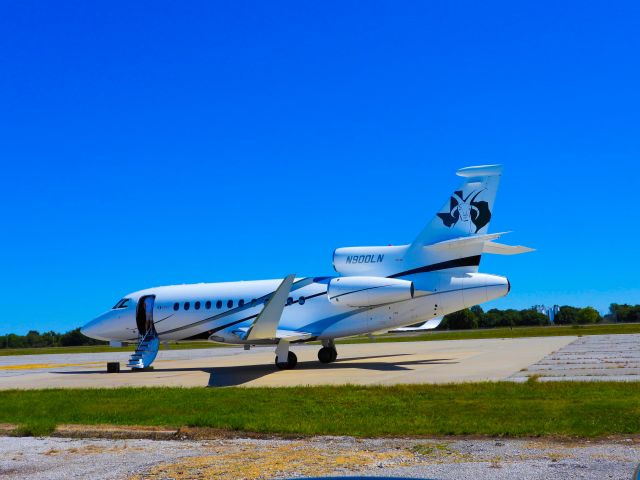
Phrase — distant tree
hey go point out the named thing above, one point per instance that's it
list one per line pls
(480, 315)
(625, 313)
(588, 315)
(509, 318)
(461, 320)
(35, 339)
(491, 319)
(532, 317)
(567, 316)
(74, 337)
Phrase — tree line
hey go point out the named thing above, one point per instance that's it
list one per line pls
(474, 317)
(35, 339)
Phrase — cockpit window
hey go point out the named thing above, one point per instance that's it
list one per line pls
(124, 303)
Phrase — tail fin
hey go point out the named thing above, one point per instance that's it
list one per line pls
(468, 211)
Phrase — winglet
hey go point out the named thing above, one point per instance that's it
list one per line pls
(266, 324)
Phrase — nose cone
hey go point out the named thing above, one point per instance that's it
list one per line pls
(112, 325)
(95, 328)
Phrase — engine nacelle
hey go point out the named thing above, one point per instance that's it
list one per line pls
(368, 291)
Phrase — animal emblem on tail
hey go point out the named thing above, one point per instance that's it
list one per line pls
(463, 209)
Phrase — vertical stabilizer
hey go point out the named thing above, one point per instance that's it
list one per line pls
(468, 210)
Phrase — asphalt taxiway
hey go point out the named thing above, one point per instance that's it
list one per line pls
(374, 363)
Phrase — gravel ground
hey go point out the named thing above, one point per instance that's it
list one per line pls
(58, 458)
(590, 358)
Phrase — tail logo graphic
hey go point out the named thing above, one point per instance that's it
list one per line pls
(466, 209)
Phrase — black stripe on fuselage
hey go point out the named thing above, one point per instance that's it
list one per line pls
(230, 312)
(473, 261)
(458, 262)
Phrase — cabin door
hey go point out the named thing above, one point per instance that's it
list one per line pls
(144, 314)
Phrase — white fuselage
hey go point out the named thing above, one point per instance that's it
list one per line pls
(379, 288)
(217, 310)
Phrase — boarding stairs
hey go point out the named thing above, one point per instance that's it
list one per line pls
(146, 351)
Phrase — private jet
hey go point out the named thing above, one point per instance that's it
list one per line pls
(379, 288)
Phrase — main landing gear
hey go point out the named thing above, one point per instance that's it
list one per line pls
(285, 360)
(328, 352)
(292, 361)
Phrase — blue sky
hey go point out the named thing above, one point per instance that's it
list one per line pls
(151, 143)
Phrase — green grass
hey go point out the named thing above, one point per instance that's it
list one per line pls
(568, 409)
(104, 348)
(516, 332)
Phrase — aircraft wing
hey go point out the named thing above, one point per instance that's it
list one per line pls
(288, 335)
(428, 325)
(265, 326)
(292, 335)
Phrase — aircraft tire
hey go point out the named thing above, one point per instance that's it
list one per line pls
(327, 355)
(292, 361)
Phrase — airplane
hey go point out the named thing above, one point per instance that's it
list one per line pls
(377, 288)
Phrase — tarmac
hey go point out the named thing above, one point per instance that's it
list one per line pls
(377, 363)
(590, 358)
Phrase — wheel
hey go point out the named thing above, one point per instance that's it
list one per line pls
(327, 355)
(334, 354)
(291, 362)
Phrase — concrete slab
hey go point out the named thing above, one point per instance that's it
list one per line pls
(362, 364)
(590, 358)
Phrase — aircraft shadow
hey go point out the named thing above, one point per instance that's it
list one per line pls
(242, 374)
(238, 375)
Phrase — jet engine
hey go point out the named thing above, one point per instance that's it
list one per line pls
(368, 291)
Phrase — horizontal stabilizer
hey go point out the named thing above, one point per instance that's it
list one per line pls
(502, 249)
(464, 241)
(480, 171)
(266, 324)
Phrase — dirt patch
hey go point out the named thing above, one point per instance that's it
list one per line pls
(7, 428)
(90, 449)
(115, 432)
(295, 459)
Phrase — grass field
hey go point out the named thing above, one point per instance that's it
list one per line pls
(517, 332)
(504, 409)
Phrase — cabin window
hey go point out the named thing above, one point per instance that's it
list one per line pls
(289, 301)
(196, 305)
(241, 303)
(219, 304)
(253, 301)
(230, 304)
(207, 304)
(301, 300)
(187, 305)
(176, 306)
